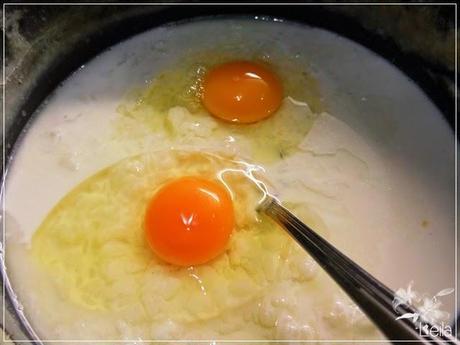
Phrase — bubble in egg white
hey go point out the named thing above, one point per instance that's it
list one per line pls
(288, 328)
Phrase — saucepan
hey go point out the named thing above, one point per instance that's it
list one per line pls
(376, 168)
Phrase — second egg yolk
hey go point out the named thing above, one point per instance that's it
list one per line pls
(189, 221)
(241, 92)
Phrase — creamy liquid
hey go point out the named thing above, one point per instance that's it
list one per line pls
(383, 189)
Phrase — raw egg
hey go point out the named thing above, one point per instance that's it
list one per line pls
(242, 92)
(189, 221)
(94, 251)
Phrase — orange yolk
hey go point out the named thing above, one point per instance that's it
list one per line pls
(189, 221)
(241, 91)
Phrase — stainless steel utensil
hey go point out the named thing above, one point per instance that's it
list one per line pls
(373, 297)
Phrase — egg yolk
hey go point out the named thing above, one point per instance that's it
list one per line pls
(189, 221)
(241, 91)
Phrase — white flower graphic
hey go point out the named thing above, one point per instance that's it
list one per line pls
(427, 310)
(430, 311)
(405, 296)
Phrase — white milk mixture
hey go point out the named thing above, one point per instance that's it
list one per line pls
(378, 169)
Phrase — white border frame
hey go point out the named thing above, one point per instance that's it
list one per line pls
(3, 247)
